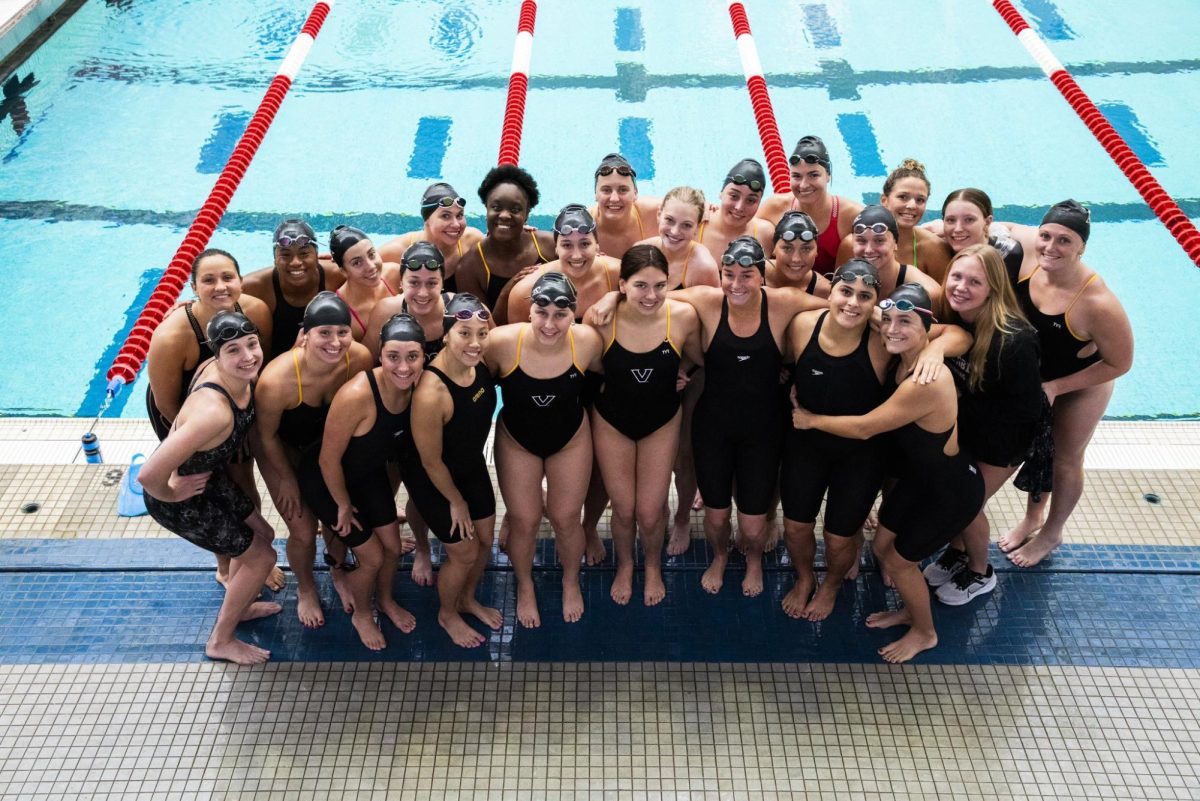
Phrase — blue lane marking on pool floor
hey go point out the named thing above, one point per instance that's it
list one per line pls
(860, 139)
(1048, 20)
(429, 147)
(1126, 121)
(629, 36)
(217, 149)
(633, 134)
(821, 27)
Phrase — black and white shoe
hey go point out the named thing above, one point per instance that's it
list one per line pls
(966, 585)
(947, 565)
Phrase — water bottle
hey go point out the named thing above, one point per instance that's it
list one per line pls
(91, 449)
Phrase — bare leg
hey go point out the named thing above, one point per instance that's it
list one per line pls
(452, 581)
(389, 539)
(301, 551)
(655, 453)
(914, 594)
(422, 567)
(361, 581)
(246, 576)
(614, 454)
(840, 554)
(752, 531)
(882, 542)
(685, 472)
(468, 601)
(717, 530)
(975, 537)
(593, 510)
(520, 473)
(565, 491)
(242, 474)
(802, 548)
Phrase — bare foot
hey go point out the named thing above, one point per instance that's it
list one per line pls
(697, 502)
(655, 589)
(622, 586)
(275, 580)
(487, 615)
(774, 532)
(573, 601)
(236, 651)
(223, 579)
(886, 578)
(407, 545)
(338, 577)
(368, 630)
(308, 607)
(1035, 550)
(797, 598)
(752, 584)
(908, 646)
(260, 609)
(681, 537)
(852, 573)
(401, 618)
(1018, 535)
(463, 635)
(527, 608)
(885, 620)
(872, 521)
(595, 552)
(822, 602)
(422, 569)
(714, 576)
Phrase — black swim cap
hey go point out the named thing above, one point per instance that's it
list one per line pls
(858, 268)
(745, 251)
(914, 294)
(554, 288)
(326, 309)
(874, 215)
(438, 195)
(1071, 214)
(342, 239)
(421, 255)
(795, 225)
(811, 150)
(225, 327)
(573, 219)
(463, 306)
(293, 232)
(748, 173)
(615, 162)
(402, 327)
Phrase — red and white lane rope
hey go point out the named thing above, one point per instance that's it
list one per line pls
(764, 114)
(1147, 185)
(133, 353)
(518, 86)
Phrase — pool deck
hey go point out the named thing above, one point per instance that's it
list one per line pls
(1080, 678)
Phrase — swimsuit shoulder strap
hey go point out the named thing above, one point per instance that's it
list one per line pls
(279, 288)
(812, 284)
(669, 340)
(833, 217)
(612, 338)
(915, 248)
(687, 259)
(607, 277)
(348, 364)
(487, 270)
(1071, 305)
(320, 278)
(538, 248)
(641, 229)
(201, 339)
(375, 388)
(299, 384)
(388, 286)
(458, 246)
(517, 363)
(574, 361)
(1031, 275)
(700, 232)
(223, 391)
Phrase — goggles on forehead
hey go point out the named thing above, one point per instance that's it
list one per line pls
(431, 264)
(805, 235)
(850, 278)
(745, 260)
(230, 334)
(876, 228)
(545, 299)
(300, 241)
(582, 228)
(741, 180)
(903, 305)
(445, 203)
(807, 158)
(609, 169)
(466, 314)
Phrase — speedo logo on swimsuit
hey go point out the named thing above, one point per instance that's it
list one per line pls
(641, 375)
(543, 400)
(743, 358)
(815, 371)
(399, 433)
(478, 394)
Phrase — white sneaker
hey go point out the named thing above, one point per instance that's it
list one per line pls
(966, 586)
(950, 562)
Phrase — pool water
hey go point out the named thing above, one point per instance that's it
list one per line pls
(134, 107)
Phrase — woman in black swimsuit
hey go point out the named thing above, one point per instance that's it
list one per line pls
(189, 491)
(939, 490)
(544, 432)
(1086, 345)
(636, 419)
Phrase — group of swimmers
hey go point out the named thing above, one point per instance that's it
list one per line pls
(769, 350)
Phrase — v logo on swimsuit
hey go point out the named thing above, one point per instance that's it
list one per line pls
(543, 400)
(641, 375)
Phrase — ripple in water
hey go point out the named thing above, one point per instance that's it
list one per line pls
(456, 33)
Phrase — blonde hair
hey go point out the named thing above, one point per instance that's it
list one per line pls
(690, 196)
(1000, 313)
(909, 168)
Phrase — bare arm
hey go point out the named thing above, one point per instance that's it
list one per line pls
(164, 367)
(432, 406)
(270, 399)
(207, 419)
(348, 416)
(909, 403)
(1108, 327)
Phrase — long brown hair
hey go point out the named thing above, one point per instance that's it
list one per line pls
(999, 315)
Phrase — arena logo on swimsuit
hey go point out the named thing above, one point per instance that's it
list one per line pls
(543, 400)
(641, 375)
(478, 394)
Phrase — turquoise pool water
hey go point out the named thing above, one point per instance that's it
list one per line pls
(134, 106)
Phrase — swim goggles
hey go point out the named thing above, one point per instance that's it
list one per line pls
(301, 241)
(745, 260)
(445, 203)
(903, 306)
(230, 334)
(567, 230)
(808, 158)
(868, 280)
(805, 235)
(608, 169)
(431, 264)
(561, 301)
(466, 314)
(741, 180)
(877, 228)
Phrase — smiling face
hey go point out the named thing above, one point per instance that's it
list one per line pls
(577, 251)
(966, 287)
(851, 303)
(362, 265)
(402, 362)
(296, 266)
(964, 224)
(615, 193)
(466, 340)
(677, 223)
(1058, 247)
(447, 224)
(645, 290)
(241, 358)
(878, 249)
(550, 323)
(217, 283)
(809, 182)
(328, 343)
(421, 290)
(739, 203)
(903, 331)
(907, 201)
(795, 258)
(507, 212)
(740, 284)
